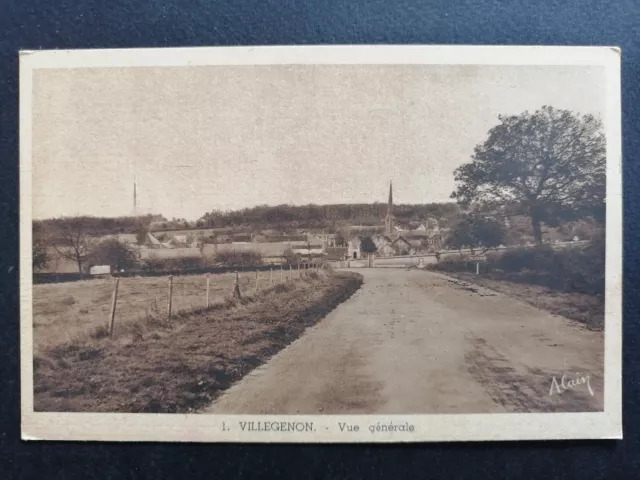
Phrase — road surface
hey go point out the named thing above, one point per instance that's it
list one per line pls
(411, 341)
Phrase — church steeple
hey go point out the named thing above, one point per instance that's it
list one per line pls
(389, 220)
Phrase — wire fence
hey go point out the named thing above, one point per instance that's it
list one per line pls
(62, 310)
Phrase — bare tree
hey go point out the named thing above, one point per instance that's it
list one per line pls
(72, 240)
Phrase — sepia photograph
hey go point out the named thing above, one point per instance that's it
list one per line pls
(332, 244)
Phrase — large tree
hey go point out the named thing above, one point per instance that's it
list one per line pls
(548, 165)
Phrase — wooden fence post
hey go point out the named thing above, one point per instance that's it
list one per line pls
(207, 290)
(298, 269)
(257, 281)
(270, 276)
(114, 300)
(290, 269)
(170, 295)
(281, 273)
(236, 286)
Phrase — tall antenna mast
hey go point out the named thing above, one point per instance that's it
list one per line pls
(135, 197)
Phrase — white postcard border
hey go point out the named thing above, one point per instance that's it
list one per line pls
(450, 427)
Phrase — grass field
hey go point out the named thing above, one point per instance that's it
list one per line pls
(63, 312)
(182, 366)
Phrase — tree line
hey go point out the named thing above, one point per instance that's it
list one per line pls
(287, 218)
(323, 216)
(96, 226)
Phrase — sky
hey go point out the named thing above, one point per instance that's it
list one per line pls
(199, 138)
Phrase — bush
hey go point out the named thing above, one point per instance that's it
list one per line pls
(281, 288)
(568, 269)
(459, 264)
(454, 265)
(583, 269)
(235, 259)
(68, 301)
(519, 259)
(113, 253)
(161, 264)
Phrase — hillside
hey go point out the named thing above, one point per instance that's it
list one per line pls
(286, 218)
(324, 216)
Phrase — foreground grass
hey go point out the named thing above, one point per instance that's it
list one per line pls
(179, 367)
(586, 309)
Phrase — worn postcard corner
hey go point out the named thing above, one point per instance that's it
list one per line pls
(336, 244)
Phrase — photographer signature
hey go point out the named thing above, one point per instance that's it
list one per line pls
(567, 383)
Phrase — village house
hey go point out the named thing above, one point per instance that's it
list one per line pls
(130, 239)
(337, 253)
(311, 249)
(381, 240)
(353, 248)
(401, 246)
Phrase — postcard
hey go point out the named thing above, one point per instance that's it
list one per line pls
(321, 244)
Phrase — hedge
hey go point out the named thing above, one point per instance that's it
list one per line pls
(571, 269)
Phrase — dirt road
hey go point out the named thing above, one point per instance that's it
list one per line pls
(411, 341)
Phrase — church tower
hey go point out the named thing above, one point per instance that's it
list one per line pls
(389, 220)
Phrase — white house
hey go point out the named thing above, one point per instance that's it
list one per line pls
(353, 248)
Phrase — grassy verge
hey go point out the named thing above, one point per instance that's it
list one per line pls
(584, 308)
(179, 367)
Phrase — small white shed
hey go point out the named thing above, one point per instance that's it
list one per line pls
(100, 270)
